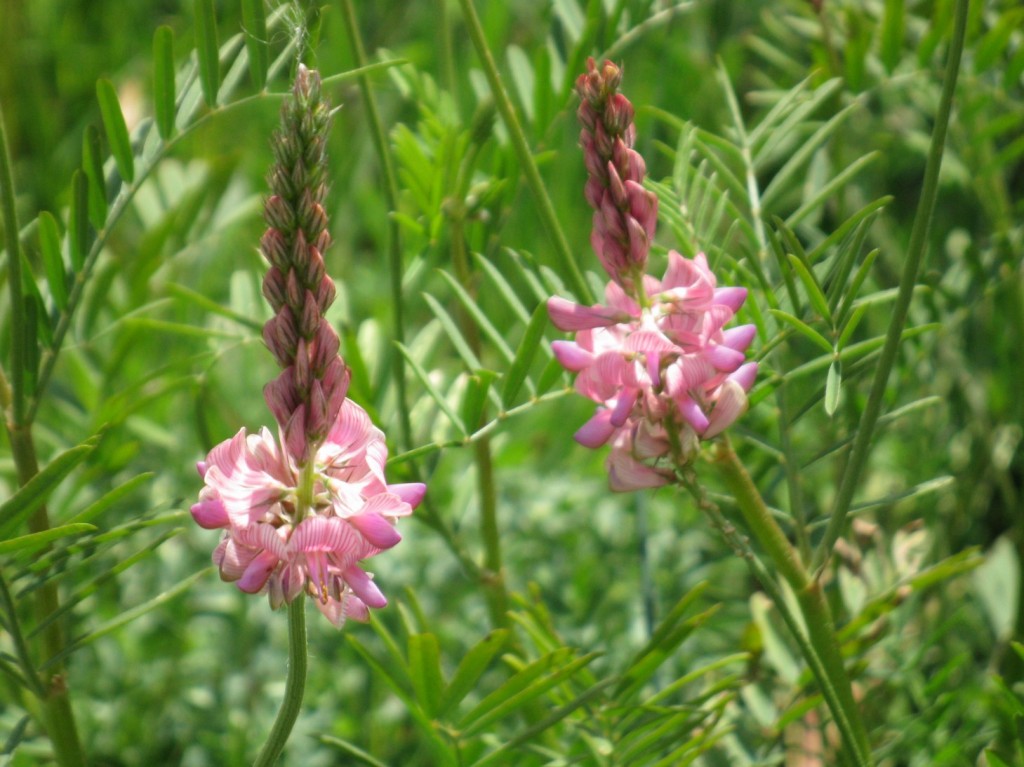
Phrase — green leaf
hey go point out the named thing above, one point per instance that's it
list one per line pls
(993, 759)
(92, 162)
(254, 21)
(108, 499)
(544, 674)
(451, 329)
(441, 401)
(833, 384)
(425, 670)
(478, 316)
(471, 667)
(206, 48)
(478, 386)
(892, 34)
(524, 355)
(53, 261)
(23, 503)
(858, 281)
(35, 541)
(803, 329)
(78, 221)
(836, 183)
(163, 80)
(351, 749)
(127, 617)
(811, 286)
(117, 131)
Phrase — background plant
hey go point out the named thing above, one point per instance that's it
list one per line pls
(151, 236)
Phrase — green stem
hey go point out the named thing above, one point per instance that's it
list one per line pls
(10, 221)
(915, 256)
(824, 656)
(522, 149)
(295, 685)
(58, 717)
(380, 143)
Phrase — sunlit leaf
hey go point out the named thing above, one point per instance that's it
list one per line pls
(117, 131)
(163, 80)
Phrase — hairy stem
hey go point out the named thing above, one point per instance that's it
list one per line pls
(915, 256)
(295, 685)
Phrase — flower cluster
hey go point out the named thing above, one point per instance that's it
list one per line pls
(301, 510)
(655, 356)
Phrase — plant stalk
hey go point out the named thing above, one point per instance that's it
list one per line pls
(295, 685)
(911, 267)
(825, 658)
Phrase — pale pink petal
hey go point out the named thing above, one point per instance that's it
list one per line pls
(691, 411)
(740, 337)
(256, 574)
(745, 375)
(731, 403)
(410, 492)
(565, 315)
(724, 358)
(625, 473)
(210, 514)
(731, 297)
(380, 532)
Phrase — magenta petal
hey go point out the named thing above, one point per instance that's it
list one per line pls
(624, 406)
(210, 514)
(724, 358)
(410, 492)
(201, 468)
(597, 430)
(256, 574)
(571, 356)
(364, 587)
(376, 529)
(739, 338)
(745, 375)
(731, 297)
(691, 411)
(565, 315)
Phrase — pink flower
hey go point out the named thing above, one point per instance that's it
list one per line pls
(270, 544)
(668, 367)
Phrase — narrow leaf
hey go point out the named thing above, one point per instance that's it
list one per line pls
(163, 80)
(254, 20)
(352, 750)
(802, 328)
(473, 308)
(524, 356)
(471, 668)
(78, 229)
(107, 500)
(424, 379)
(92, 162)
(833, 384)
(425, 669)
(128, 616)
(478, 386)
(206, 49)
(34, 541)
(20, 506)
(53, 262)
(117, 131)
(814, 292)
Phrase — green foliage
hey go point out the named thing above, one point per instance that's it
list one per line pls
(785, 140)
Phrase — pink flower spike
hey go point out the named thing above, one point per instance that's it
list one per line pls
(597, 430)
(565, 315)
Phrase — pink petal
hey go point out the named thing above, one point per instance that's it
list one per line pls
(691, 411)
(256, 574)
(597, 430)
(724, 358)
(624, 406)
(731, 403)
(731, 297)
(376, 529)
(565, 315)
(364, 587)
(410, 492)
(745, 375)
(571, 356)
(210, 514)
(626, 473)
(739, 338)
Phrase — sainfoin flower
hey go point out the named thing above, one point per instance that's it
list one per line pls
(302, 509)
(655, 356)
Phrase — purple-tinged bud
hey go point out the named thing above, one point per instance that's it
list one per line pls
(639, 244)
(282, 352)
(643, 206)
(278, 214)
(594, 191)
(335, 382)
(315, 268)
(295, 435)
(274, 288)
(325, 293)
(324, 348)
(293, 289)
(274, 247)
(281, 395)
(285, 329)
(323, 241)
(616, 187)
(317, 422)
(608, 221)
(603, 141)
(618, 116)
(303, 377)
(309, 320)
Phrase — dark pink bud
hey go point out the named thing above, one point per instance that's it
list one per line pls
(618, 116)
(639, 244)
(303, 377)
(615, 187)
(292, 289)
(643, 206)
(282, 351)
(325, 294)
(295, 435)
(315, 269)
(317, 422)
(274, 288)
(281, 396)
(273, 247)
(603, 142)
(278, 214)
(324, 347)
(309, 320)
